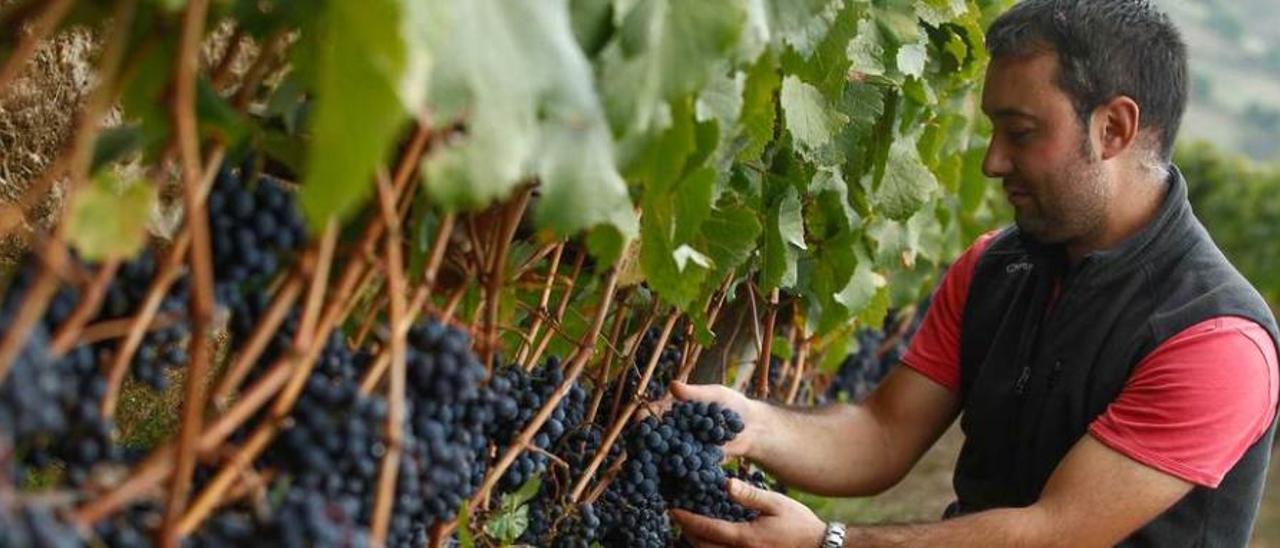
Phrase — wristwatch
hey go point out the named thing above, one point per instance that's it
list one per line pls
(835, 535)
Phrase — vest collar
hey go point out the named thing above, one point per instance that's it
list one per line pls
(1167, 233)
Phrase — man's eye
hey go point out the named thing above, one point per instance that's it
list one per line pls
(1018, 135)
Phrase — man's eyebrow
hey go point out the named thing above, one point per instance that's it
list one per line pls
(1011, 112)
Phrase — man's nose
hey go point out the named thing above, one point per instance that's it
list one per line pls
(996, 163)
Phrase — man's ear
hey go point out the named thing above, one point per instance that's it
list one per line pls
(1116, 124)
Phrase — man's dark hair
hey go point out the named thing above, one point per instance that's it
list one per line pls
(1105, 48)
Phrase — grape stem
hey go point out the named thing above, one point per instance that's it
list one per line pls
(396, 409)
(543, 301)
(533, 358)
(602, 375)
(628, 356)
(159, 465)
(308, 342)
(802, 355)
(197, 230)
(586, 348)
(167, 274)
(114, 329)
(692, 349)
(69, 331)
(615, 430)
(497, 274)
(258, 341)
(53, 263)
(766, 350)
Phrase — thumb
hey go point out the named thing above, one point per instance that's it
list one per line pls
(683, 391)
(766, 502)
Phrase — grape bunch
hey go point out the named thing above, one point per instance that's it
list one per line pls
(50, 407)
(673, 461)
(669, 360)
(521, 395)
(34, 525)
(448, 414)
(862, 370)
(161, 349)
(551, 525)
(250, 226)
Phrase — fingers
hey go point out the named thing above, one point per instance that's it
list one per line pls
(766, 502)
(709, 531)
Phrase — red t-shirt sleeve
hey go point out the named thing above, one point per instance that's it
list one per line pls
(935, 350)
(1197, 402)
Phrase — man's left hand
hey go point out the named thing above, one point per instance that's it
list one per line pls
(783, 522)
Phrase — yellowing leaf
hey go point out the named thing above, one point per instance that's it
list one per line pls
(109, 219)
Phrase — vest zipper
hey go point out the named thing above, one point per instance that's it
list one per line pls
(1020, 387)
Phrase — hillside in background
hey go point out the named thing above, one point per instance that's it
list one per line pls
(1235, 69)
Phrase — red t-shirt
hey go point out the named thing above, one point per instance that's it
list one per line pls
(1180, 412)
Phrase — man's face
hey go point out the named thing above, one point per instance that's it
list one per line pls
(1039, 150)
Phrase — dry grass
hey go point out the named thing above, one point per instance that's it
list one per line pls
(37, 113)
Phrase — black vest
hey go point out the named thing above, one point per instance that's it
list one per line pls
(1032, 382)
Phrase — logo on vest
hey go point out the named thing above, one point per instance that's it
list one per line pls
(1019, 267)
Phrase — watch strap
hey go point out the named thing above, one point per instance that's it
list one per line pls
(834, 537)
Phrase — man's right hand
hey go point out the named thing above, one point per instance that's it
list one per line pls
(754, 413)
(839, 449)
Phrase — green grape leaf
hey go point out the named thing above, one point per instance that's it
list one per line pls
(832, 265)
(783, 225)
(831, 212)
(114, 143)
(898, 20)
(731, 233)
(665, 50)
(911, 59)
(781, 348)
(834, 352)
(937, 12)
(867, 50)
(721, 100)
(684, 254)
(801, 24)
(791, 219)
(877, 309)
(758, 112)
(108, 218)
(907, 183)
(509, 524)
(218, 119)
(973, 184)
(514, 71)
(592, 23)
(525, 494)
(418, 54)
(361, 62)
(862, 288)
(693, 203)
(810, 118)
(677, 284)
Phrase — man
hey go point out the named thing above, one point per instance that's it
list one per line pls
(1115, 377)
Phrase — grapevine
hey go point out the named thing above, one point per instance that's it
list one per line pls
(440, 305)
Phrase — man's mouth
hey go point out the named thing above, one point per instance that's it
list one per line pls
(1017, 195)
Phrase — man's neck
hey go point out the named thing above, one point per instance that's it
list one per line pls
(1135, 207)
